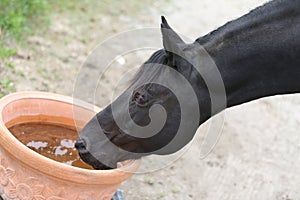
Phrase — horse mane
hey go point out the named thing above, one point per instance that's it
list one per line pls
(151, 68)
(230, 28)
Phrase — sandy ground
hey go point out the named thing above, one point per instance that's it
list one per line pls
(257, 154)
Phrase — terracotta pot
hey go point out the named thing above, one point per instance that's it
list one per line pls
(27, 175)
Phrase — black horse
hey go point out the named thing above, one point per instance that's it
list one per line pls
(255, 56)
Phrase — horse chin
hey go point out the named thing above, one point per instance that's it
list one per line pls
(88, 158)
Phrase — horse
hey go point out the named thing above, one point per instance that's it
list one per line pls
(255, 56)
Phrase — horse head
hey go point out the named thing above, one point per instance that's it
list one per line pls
(146, 117)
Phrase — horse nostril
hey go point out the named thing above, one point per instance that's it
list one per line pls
(80, 144)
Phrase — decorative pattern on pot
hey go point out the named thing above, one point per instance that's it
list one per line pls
(28, 189)
(5, 173)
(85, 196)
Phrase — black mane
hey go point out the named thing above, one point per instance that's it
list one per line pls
(149, 69)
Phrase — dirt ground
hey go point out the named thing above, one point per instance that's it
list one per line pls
(257, 155)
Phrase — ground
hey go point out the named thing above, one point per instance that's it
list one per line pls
(257, 154)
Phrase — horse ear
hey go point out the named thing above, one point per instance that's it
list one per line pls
(170, 37)
(171, 41)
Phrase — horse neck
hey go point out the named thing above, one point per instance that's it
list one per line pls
(258, 55)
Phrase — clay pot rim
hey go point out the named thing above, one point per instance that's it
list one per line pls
(63, 171)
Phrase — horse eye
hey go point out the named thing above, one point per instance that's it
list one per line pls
(139, 98)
